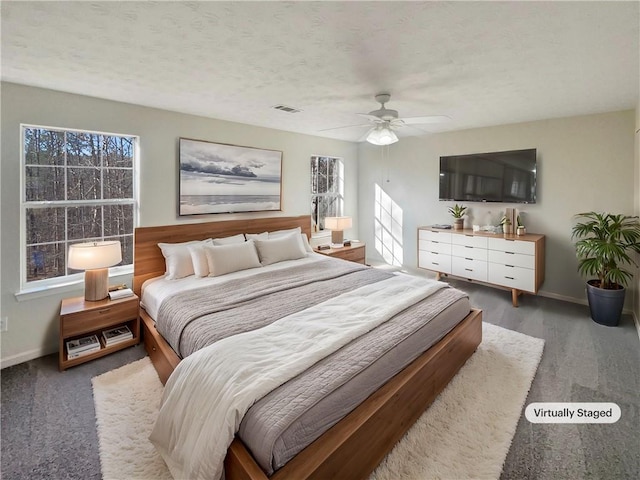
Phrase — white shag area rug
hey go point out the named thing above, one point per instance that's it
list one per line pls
(466, 433)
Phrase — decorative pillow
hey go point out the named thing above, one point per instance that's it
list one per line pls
(199, 257)
(227, 240)
(257, 236)
(282, 233)
(230, 258)
(305, 243)
(288, 247)
(177, 259)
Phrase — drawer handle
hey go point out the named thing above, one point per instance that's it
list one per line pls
(467, 258)
(510, 253)
(468, 246)
(435, 253)
(104, 310)
(510, 266)
(510, 278)
(468, 235)
(435, 241)
(435, 263)
(469, 269)
(509, 240)
(153, 348)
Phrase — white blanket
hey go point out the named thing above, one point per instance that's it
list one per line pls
(208, 394)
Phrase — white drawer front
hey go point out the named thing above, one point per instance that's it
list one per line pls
(469, 241)
(515, 246)
(469, 268)
(514, 259)
(434, 261)
(434, 246)
(512, 277)
(444, 237)
(466, 251)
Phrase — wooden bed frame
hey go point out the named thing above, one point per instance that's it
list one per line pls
(353, 447)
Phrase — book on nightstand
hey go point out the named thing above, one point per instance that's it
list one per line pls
(120, 293)
(82, 346)
(116, 335)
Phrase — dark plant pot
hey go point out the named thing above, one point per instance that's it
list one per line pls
(605, 305)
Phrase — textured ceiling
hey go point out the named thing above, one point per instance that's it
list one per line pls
(480, 63)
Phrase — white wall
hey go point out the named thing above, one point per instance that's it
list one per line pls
(584, 163)
(33, 324)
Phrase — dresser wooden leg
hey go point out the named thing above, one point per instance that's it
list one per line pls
(514, 296)
(437, 276)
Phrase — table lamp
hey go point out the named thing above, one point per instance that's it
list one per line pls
(95, 258)
(337, 225)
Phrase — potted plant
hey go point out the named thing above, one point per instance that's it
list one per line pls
(457, 212)
(506, 225)
(520, 230)
(605, 242)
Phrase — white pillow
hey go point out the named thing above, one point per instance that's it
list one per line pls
(231, 258)
(282, 233)
(177, 259)
(239, 238)
(199, 258)
(305, 243)
(257, 236)
(288, 247)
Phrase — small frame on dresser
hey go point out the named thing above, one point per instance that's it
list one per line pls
(221, 178)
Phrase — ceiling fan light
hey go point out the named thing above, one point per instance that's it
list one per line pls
(382, 135)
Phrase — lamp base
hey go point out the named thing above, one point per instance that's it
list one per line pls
(337, 237)
(96, 284)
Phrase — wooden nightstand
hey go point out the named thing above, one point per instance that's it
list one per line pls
(79, 318)
(354, 253)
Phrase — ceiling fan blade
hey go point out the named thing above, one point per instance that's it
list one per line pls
(426, 120)
(346, 126)
(373, 118)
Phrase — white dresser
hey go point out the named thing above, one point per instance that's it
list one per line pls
(512, 261)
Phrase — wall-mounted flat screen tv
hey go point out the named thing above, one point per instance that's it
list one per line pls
(508, 177)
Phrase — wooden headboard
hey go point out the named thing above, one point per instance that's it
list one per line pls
(148, 261)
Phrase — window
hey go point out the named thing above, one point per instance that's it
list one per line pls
(77, 187)
(327, 180)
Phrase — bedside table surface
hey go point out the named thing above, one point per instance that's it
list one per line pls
(332, 250)
(79, 304)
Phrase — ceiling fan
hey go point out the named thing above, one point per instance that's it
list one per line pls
(384, 121)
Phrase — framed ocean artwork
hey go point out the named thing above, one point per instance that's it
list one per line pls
(221, 178)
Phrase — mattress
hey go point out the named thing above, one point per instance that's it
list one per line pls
(285, 421)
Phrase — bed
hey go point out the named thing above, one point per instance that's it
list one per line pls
(354, 445)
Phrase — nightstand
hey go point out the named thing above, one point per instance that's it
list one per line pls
(80, 318)
(353, 253)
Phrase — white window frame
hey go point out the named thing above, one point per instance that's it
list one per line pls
(339, 194)
(67, 282)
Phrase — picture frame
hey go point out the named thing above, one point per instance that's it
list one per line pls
(224, 178)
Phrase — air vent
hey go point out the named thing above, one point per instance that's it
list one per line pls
(284, 108)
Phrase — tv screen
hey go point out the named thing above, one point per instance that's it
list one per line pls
(508, 177)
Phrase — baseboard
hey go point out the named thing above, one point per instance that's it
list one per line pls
(564, 298)
(24, 357)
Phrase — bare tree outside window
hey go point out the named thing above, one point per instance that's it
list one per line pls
(78, 187)
(327, 184)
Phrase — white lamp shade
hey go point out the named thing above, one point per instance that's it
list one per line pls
(337, 223)
(94, 255)
(382, 135)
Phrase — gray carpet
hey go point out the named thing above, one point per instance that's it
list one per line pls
(48, 418)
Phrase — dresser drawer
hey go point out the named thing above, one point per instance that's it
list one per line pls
(444, 237)
(469, 268)
(438, 262)
(514, 246)
(514, 259)
(469, 241)
(512, 277)
(466, 251)
(434, 246)
(77, 323)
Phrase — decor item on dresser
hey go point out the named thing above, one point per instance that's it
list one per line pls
(221, 178)
(95, 258)
(605, 242)
(457, 212)
(520, 229)
(515, 262)
(507, 226)
(337, 225)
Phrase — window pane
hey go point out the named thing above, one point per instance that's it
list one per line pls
(118, 219)
(43, 147)
(118, 152)
(84, 222)
(44, 183)
(45, 261)
(84, 184)
(118, 183)
(45, 225)
(83, 149)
